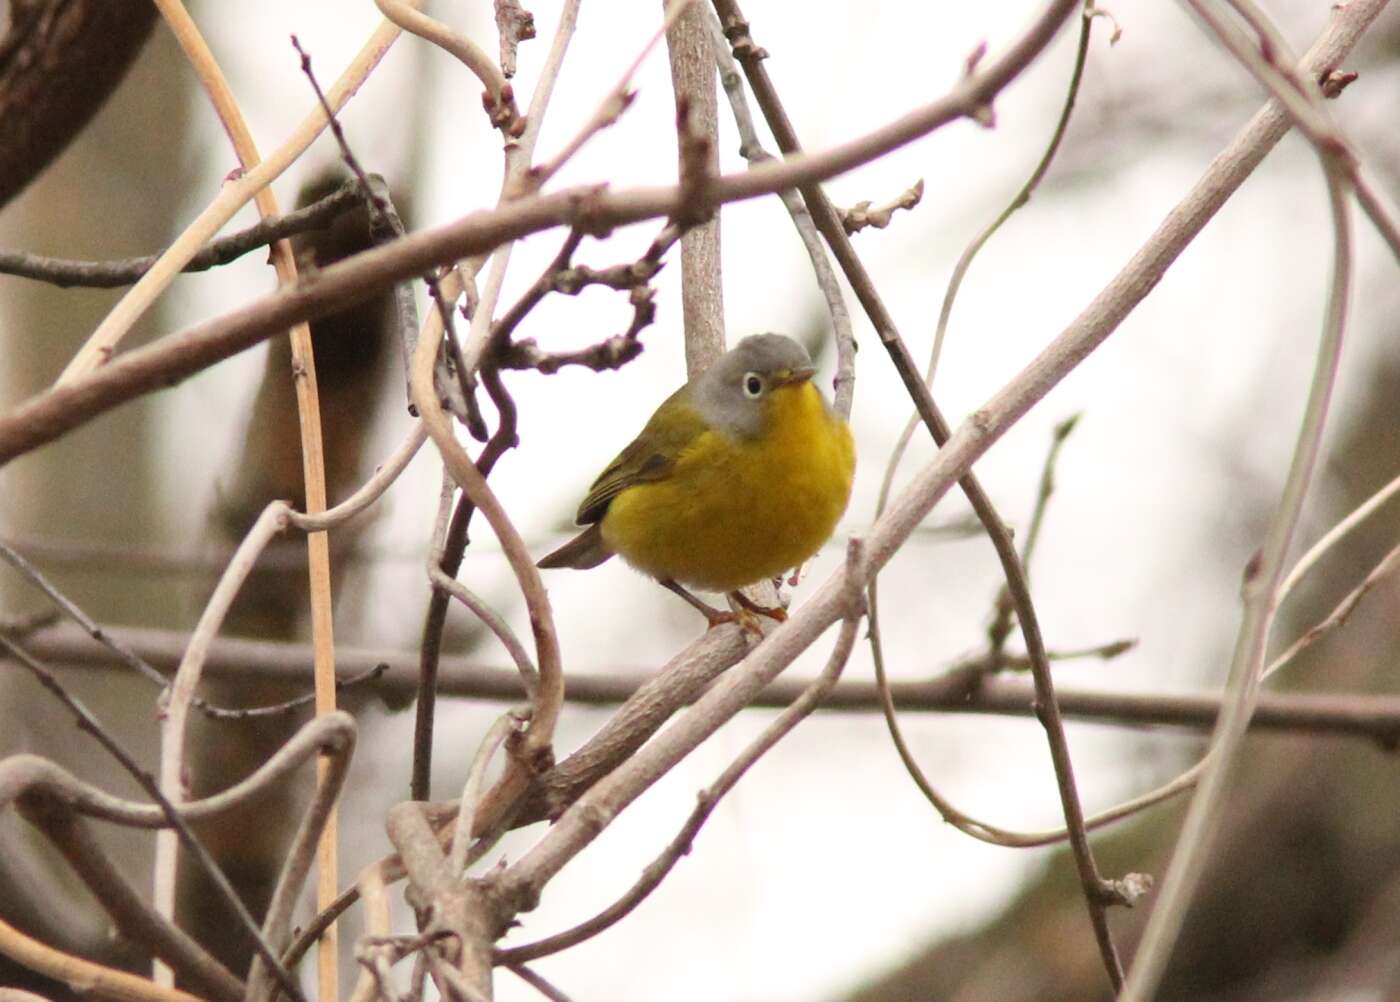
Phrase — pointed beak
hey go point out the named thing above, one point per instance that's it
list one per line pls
(793, 377)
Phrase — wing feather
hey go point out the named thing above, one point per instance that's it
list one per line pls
(651, 457)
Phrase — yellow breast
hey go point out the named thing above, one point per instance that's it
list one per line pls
(736, 511)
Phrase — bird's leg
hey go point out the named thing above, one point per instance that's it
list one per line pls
(776, 614)
(715, 617)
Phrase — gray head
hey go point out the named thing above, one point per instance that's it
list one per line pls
(733, 393)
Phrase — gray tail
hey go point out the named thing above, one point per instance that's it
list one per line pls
(585, 550)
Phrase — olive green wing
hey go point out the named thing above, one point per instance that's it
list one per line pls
(651, 456)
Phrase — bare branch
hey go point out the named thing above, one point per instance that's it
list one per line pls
(131, 914)
(166, 813)
(697, 136)
(67, 273)
(308, 407)
(101, 981)
(962, 688)
(56, 411)
(233, 196)
(535, 751)
(503, 728)
(1262, 580)
(499, 98)
(651, 878)
(538, 983)
(514, 24)
(751, 148)
(866, 213)
(1096, 891)
(483, 306)
(609, 110)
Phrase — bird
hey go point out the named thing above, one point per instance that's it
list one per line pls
(739, 475)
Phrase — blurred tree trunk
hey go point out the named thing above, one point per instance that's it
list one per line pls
(113, 193)
(59, 61)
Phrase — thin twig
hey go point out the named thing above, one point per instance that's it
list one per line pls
(373, 202)
(1097, 892)
(1336, 534)
(1021, 198)
(384, 477)
(505, 725)
(101, 345)
(457, 363)
(1340, 613)
(561, 276)
(535, 747)
(608, 111)
(499, 99)
(503, 329)
(148, 671)
(313, 465)
(529, 676)
(867, 214)
(1262, 579)
(751, 149)
(89, 722)
(1274, 64)
(538, 983)
(306, 848)
(124, 653)
(517, 157)
(67, 273)
(514, 24)
(384, 220)
(1002, 623)
(1000, 627)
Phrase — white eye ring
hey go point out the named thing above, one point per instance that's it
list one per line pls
(753, 385)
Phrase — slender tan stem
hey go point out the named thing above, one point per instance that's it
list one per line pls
(536, 744)
(99, 981)
(370, 491)
(177, 700)
(312, 454)
(99, 348)
(430, 29)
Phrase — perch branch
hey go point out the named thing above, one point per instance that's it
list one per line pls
(799, 709)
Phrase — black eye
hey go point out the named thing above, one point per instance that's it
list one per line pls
(753, 384)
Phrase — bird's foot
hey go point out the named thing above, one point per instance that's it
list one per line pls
(775, 613)
(715, 617)
(746, 616)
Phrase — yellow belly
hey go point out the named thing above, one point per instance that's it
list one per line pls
(733, 511)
